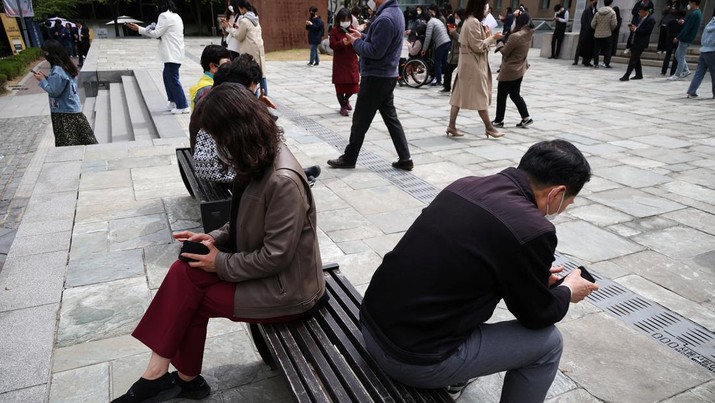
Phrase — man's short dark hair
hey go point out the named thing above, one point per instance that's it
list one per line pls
(557, 7)
(556, 162)
(313, 9)
(697, 2)
(243, 70)
(213, 54)
(607, 2)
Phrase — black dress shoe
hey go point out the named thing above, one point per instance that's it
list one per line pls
(637, 78)
(157, 390)
(588, 65)
(406, 165)
(313, 171)
(574, 63)
(624, 78)
(340, 162)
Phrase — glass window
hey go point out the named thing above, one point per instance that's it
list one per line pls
(544, 4)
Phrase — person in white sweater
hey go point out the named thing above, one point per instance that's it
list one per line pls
(169, 30)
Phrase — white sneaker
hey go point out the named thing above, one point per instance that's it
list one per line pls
(685, 74)
(627, 51)
(171, 106)
(674, 78)
(177, 111)
(455, 391)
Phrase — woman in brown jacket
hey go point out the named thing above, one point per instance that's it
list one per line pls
(262, 267)
(473, 86)
(513, 68)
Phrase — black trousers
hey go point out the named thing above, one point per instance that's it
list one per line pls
(602, 44)
(556, 40)
(634, 63)
(447, 83)
(662, 38)
(669, 51)
(512, 89)
(376, 94)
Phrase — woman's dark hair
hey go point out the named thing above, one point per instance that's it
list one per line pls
(243, 70)
(248, 6)
(166, 5)
(56, 54)
(343, 14)
(251, 142)
(557, 8)
(556, 162)
(476, 8)
(461, 13)
(522, 21)
(313, 9)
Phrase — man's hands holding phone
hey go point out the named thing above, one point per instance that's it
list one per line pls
(579, 281)
(39, 76)
(205, 262)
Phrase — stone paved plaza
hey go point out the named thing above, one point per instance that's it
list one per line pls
(94, 239)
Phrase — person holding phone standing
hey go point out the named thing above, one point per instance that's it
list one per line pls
(170, 29)
(69, 124)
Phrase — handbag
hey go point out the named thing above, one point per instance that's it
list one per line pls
(206, 160)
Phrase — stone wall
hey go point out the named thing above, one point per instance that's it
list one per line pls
(283, 22)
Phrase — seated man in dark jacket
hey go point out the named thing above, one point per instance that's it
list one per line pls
(482, 239)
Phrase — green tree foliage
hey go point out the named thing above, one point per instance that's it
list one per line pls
(54, 8)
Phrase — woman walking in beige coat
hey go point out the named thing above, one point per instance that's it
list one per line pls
(473, 86)
(249, 37)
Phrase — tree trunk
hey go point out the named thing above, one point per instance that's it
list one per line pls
(197, 5)
(115, 11)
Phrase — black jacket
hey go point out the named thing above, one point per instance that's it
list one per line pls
(481, 240)
(641, 35)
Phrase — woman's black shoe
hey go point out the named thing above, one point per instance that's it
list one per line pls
(195, 389)
(154, 391)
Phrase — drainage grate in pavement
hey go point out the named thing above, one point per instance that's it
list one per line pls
(412, 185)
(668, 328)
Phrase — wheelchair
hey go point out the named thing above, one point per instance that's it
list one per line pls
(416, 71)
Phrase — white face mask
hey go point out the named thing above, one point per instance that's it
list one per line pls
(230, 8)
(345, 24)
(457, 21)
(554, 214)
(688, 6)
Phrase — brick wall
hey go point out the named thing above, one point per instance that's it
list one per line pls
(283, 22)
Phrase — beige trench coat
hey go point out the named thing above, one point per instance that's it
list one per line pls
(250, 39)
(473, 88)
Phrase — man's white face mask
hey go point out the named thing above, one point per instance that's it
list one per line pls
(553, 215)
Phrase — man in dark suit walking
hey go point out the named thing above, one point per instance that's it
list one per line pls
(641, 37)
(586, 38)
(82, 39)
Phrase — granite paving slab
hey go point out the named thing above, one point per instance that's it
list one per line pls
(275, 390)
(678, 242)
(622, 365)
(158, 259)
(43, 243)
(33, 280)
(106, 180)
(634, 202)
(86, 384)
(32, 394)
(183, 213)
(632, 177)
(44, 227)
(50, 207)
(161, 181)
(95, 352)
(589, 242)
(599, 215)
(26, 347)
(100, 311)
(61, 154)
(103, 267)
(58, 177)
(378, 200)
(702, 393)
(93, 212)
(137, 232)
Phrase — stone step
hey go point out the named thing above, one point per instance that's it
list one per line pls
(649, 62)
(88, 109)
(166, 124)
(102, 125)
(121, 126)
(140, 118)
(653, 47)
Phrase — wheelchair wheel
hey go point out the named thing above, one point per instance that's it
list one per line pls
(415, 73)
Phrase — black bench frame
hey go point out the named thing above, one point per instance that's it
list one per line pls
(324, 357)
(214, 198)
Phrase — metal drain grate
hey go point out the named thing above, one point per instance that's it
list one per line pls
(412, 185)
(669, 328)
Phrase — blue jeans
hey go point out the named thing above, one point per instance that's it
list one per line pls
(174, 91)
(705, 62)
(680, 58)
(314, 59)
(440, 60)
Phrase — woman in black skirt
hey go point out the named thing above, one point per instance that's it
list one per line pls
(69, 124)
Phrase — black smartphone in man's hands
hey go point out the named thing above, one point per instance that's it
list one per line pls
(584, 275)
(197, 248)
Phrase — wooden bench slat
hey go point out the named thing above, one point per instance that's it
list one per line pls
(314, 354)
(296, 367)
